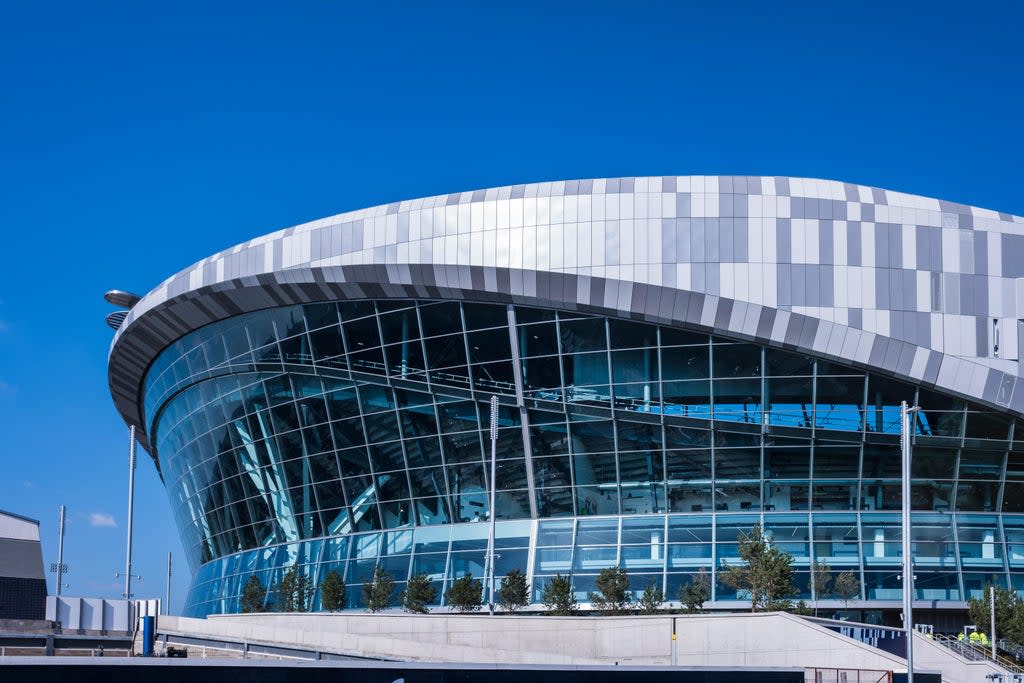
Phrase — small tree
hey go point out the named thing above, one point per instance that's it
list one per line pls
(465, 594)
(652, 598)
(821, 579)
(612, 595)
(332, 592)
(514, 591)
(558, 596)
(378, 592)
(418, 593)
(693, 595)
(293, 591)
(766, 573)
(254, 596)
(1009, 613)
(846, 587)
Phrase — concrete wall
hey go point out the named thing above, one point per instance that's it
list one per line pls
(606, 640)
(703, 640)
(89, 614)
(403, 637)
(750, 640)
(773, 639)
(931, 655)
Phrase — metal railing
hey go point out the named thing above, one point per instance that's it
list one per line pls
(976, 652)
(825, 675)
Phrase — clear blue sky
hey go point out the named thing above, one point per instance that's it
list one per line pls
(137, 138)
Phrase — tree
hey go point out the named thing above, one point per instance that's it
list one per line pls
(254, 596)
(766, 573)
(465, 594)
(821, 579)
(332, 592)
(418, 593)
(1009, 613)
(378, 592)
(293, 591)
(693, 595)
(652, 598)
(803, 609)
(846, 587)
(558, 596)
(514, 591)
(612, 595)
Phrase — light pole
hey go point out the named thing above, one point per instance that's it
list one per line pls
(60, 552)
(908, 565)
(131, 514)
(167, 606)
(992, 598)
(490, 514)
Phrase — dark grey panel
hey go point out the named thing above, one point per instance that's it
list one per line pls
(1013, 255)
(21, 559)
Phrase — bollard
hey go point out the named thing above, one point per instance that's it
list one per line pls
(148, 636)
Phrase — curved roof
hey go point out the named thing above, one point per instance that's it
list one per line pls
(907, 285)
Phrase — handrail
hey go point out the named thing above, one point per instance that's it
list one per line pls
(977, 653)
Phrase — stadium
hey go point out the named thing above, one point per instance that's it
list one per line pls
(675, 359)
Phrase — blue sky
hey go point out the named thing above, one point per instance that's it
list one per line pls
(137, 138)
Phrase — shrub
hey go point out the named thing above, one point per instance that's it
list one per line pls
(558, 596)
(612, 595)
(293, 592)
(514, 591)
(465, 594)
(254, 596)
(766, 573)
(378, 592)
(332, 592)
(846, 587)
(693, 595)
(651, 599)
(418, 593)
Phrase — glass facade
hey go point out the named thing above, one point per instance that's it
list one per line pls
(343, 435)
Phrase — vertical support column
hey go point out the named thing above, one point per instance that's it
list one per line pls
(524, 421)
(908, 564)
(647, 377)
(405, 344)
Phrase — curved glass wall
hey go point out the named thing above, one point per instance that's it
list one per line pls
(334, 433)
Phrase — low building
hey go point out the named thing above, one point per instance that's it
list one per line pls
(22, 579)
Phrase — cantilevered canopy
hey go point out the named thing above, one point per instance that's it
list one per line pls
(121, 298)
(842, 272)
(115, 318)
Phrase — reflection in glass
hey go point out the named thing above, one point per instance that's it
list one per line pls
(284, 434)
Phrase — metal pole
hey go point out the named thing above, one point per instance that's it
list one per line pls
(131, 514)
(992, 597)
(491, 515)
(908, 569)
(167, 601)
(675, 649)
(60, 552)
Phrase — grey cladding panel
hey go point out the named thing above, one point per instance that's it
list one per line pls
(734, 238)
